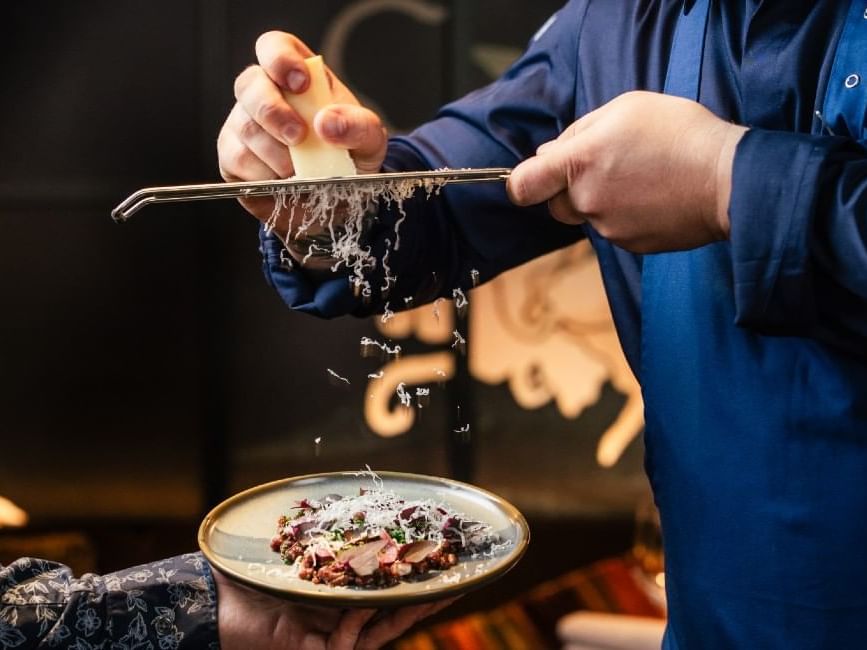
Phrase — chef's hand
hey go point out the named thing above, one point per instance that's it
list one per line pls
(649, 172)
(250, 619)
(253, 143)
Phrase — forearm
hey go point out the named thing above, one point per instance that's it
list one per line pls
(167, 604)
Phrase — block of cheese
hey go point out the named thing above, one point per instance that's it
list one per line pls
(314, 157)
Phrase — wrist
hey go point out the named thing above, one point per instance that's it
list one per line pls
(724, 168)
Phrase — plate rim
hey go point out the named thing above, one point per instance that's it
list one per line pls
(362, 598)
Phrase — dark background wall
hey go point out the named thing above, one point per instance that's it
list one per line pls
(146, 371)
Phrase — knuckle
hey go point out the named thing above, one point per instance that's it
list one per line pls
(277, 50)
(382, 140)
(284, 167)
(225, 155)
(572, 169)
(243, 80)
(372, 123)
(266, 38)
(294, 41)
(269, 113)
(222, 164)
(273, 38)
(248, 130)
(366, 130)
(238, 160)
(222, 147)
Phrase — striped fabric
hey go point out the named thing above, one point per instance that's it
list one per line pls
(529, 622)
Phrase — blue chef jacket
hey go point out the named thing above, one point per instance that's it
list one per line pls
(751, 353)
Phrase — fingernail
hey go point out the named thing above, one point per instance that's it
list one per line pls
(296, 80)
(335, 127)
(544, 147)
(291, 133)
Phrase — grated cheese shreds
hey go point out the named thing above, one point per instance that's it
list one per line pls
(387, 277)
(461, 302)
(367, 343)
(403, 395)
(377, 510)
(339, 209)
(436, 308)
(378, 538)
(336, 376)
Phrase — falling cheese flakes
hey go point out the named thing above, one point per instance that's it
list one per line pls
(404, 395)
(340, 209)
(349, 204)
(368, 343)
(338, 377)
(461, 302)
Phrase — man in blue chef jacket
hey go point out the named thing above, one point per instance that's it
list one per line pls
(710, 152)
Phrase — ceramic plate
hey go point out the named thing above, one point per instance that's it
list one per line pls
(236, 535)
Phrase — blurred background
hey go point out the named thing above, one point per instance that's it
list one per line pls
(146, 370)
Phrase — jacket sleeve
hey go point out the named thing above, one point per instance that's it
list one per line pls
(799, 237)
(167, 605)
(467, 227)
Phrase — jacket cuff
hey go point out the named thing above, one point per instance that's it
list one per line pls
(771, 215)
(328, 298)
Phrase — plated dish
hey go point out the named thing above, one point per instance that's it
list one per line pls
(362, 539)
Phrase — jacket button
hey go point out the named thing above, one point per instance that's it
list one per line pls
(852, 80)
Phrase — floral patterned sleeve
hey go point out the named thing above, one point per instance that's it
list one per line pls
(166, 605)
